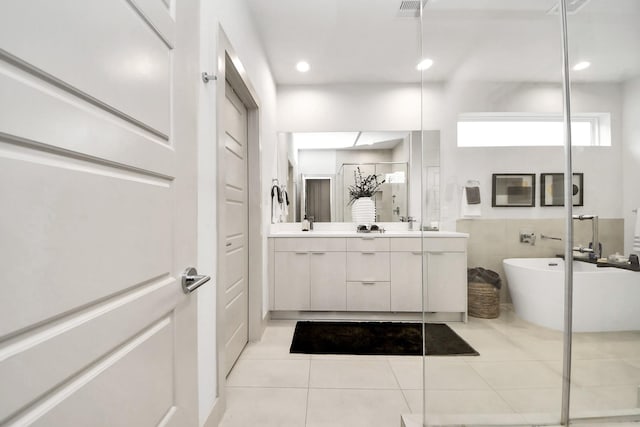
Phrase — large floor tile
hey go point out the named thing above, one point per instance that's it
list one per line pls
(493, 345)
(414, 399)
(607, 372)
(265, 407)
(355, 408)
(274, 343)
(536, 347)
(269, 373)
(608, 398)
(466, 402)
(458, 402)
(369, 374)
(441, 374)
(533, 400)
(517, 374)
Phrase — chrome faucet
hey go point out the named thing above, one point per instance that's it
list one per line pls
(411, 220)
(594, 251)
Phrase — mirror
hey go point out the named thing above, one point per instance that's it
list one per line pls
(321, 166)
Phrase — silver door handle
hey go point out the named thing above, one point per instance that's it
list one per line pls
(192, 281)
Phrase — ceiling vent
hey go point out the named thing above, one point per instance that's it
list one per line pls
(410, 8)
(573, 7)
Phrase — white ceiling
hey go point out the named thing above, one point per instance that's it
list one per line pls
(367, 41)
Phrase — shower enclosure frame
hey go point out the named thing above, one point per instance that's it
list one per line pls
(567, 337)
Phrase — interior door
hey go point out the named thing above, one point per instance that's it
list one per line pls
(318, 199)
(236, 315)
(98, 214)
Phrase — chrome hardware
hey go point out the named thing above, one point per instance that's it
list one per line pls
(192, 281)
(544, 236)
(411, 220)
(596, 247)
(206, 77)
(528, 237)
(583, 250)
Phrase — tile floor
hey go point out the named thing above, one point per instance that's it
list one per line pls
(517, 373)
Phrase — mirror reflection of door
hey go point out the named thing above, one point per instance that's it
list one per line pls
(318, 199)
(291, 192)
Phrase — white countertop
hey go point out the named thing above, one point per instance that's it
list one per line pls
(344, 233)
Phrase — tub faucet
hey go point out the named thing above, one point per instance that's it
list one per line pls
(595, 251)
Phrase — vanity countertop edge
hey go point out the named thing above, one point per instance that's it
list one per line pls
(353, 234)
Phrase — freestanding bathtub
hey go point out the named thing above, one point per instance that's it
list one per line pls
(604, 298)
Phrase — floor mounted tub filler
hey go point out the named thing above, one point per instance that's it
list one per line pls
(604, 298)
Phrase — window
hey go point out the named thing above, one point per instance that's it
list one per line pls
(531, 130)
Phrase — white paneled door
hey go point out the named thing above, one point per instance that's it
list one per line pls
(236, 213)
(97, 212)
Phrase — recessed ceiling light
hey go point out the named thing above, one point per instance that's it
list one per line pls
(424, 64)
(583, 65)
(303, 66)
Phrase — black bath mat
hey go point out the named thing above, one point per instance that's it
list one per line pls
(377, 338)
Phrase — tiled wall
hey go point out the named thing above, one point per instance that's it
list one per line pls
(492, 240)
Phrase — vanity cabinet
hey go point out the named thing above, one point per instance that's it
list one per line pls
(368, 286)
(309, 274)
(328, 276)
(447, 282)
(369, 274)
(292, 281)
(406, 274)
(446, 275)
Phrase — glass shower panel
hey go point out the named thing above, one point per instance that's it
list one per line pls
(604, 53)
(497, 64)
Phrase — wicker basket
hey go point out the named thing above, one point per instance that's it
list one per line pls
(484, 300)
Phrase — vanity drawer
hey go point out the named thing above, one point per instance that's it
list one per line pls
(405, 244)
(368, 244)
(444, 244)
(310, 244)
(368, 296)
(368, 266)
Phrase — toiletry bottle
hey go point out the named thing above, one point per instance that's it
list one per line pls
(305, 224)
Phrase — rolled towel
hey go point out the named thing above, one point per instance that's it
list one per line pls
(473, 195)
(467, 209)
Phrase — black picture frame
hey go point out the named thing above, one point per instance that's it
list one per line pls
(517, 190)
(552, 189)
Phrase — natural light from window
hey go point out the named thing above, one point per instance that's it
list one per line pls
(522, 130)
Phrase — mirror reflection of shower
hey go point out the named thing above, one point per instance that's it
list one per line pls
(391, 200)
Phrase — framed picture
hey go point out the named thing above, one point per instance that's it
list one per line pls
(552, 189)
(513, 190)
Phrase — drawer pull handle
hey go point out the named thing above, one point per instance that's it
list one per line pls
(367, 238)
(301, 253)
(368, 283)
(368, 253)
(318, 253)
(417, 253)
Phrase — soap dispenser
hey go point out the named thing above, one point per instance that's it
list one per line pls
(305, 224)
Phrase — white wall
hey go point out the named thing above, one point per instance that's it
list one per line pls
(600, 165)
(396, 107)
(234, 18)
(364, 107)
(631, 159)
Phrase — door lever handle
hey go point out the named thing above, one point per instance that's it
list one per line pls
(192, 281)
